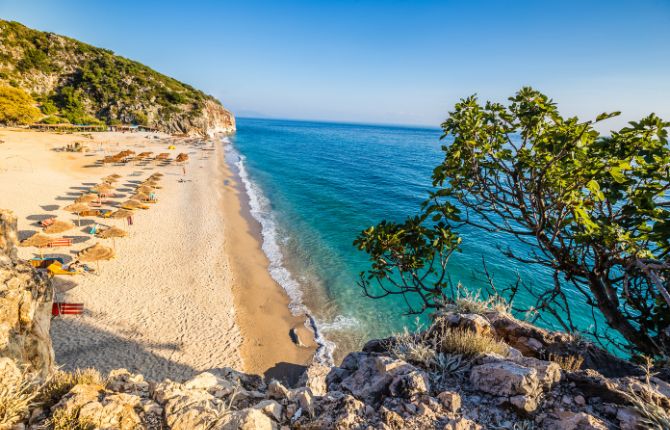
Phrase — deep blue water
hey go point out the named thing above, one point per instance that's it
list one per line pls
(315, 186)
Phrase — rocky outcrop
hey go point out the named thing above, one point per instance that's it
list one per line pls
(25, 306)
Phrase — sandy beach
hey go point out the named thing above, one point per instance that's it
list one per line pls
(189, 288)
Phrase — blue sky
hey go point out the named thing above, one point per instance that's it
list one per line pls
(401, 62)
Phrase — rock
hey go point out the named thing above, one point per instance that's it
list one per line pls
(450, 400)
(314, 378)
(270, 408)
(277, 391)
(579, 400)
(472, 322)
(391, 419)
(567, 420)
(249, 419)
(305, 400)
(505, 379)
(461, 424)
(629, 419)
(25, 306)
(525, 404)
(548, 372)
(410, 384)
(122, 381)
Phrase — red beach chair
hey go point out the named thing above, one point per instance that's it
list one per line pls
(61, 241)
(58, 309)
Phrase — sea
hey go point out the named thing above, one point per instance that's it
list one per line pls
(314, 186)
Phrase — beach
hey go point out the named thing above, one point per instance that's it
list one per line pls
(189, 289)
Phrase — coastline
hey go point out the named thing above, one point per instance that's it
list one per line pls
(190, 288)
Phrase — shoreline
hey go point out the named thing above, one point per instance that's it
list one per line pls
(262, 305)
(195, 250)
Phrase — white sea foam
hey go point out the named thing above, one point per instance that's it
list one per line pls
(259, 206)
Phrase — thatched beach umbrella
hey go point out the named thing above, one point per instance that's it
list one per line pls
(122, 214)
(77, 208)
(157, 175)
(181, 158)
(144, 189)
(133, 204)
(112, 233)
(37, 240)
(110, 179)
(86, 198)
(58, 226)
(95, 254)
(103, 188)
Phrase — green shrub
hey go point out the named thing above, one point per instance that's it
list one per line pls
(17, 107)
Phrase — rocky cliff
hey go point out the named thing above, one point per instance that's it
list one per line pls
(79, 83)
(467, 371)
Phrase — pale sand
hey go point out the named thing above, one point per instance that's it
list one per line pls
(189, 289)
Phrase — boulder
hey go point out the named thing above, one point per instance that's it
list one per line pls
(249, 419)
(567, 420)
(409, 385)
(314, 378)
(270, 408)
(461, 424)
(548, 372)
(450, 400)
(505, 378)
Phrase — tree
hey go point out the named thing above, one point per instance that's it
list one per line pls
(593, 209)
(17, 107)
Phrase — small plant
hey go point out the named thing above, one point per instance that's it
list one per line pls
(68, 419)
(410, 347)
(468, 343)
(17, 395)
(652, 415)
(62, 382)
(569, 363)
(472, 302)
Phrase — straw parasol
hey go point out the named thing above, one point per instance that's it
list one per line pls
(114, 175)
(77, 208)
(103, 188)
(181, 158)
(133, 204)
(144, 189)
(38, 240)
(110, 179)
(58, 226)
(112, 233)
(95, 254)
(86, 198)
(156, 175)
(122, 214)
(140, 196)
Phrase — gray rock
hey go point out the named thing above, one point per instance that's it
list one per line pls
(505, 378)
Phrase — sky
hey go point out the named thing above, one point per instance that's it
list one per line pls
(395, 62)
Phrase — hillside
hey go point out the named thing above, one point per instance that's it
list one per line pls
(79, 83)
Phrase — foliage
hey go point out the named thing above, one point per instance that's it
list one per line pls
(102, 85)
(592, 209)
(468, 343)
(17, 107)
(60, 383)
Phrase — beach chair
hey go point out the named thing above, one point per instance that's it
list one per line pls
(56, 268)
(92, 212)
(47, 222)
(61, 308)
(61, 241)
(45, 262)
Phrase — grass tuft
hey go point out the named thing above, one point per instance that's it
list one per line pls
(467, 343)
(472, 302)
(652, 415)
(569, 363)
(17, 396)
(62, 382)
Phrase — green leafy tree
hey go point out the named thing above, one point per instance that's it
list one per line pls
(17, 107)
(592, 209)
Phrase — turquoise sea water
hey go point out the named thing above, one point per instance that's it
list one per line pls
(314, 186)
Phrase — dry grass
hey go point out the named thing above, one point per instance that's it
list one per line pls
(652, 415)
(16, 398)
(61, 382)
(468, 343)
(469, 302)
(410, 347)
(569, 363)
(68, 419)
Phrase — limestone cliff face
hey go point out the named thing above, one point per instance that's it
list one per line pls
(208, 121)
(25, 306)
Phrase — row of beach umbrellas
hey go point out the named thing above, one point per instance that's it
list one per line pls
(97, 252)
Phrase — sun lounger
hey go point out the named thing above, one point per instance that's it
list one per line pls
(56, 268)
(92, 212)
(45, 262)
(61, 241)
(59, 308)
